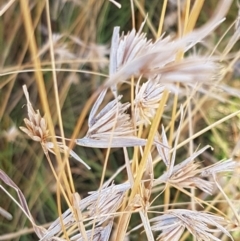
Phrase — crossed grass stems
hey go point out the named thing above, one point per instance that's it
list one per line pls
(156, 66)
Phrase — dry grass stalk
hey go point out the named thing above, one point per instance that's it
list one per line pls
(40, 231)
(63, 52)
(92, 217)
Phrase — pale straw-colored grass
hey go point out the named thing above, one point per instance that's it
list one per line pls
(147, 106)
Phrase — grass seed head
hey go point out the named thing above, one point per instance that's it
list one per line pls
(36, 129)
(147, 100)
(36, 125)
(187, 174)
(201, 225)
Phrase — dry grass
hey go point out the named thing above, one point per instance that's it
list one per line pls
(155, 134)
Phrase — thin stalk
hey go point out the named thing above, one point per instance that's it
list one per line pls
(196, 10)
(148, 146)
(228, 200)
(79, 217)
(38, 74)
(208, 128)
(59, 188)
(65, 162)
(142, 11)
(161, 20)
(84, 113)
(133, 14)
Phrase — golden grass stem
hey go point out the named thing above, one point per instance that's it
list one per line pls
(39, 77)
(161, 20)
(57, 179)
(149, 23)
(196, 10)
(235, 212)
(60, 213)
(20, 70)
(59, 188)
(189, 110)
(79, 217)
(133, 14)
(136, 151)
(125, 218)
(148, 146)
(175, 101)
(208, 128)
(57, 101)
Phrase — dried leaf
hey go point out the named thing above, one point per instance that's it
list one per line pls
(40, 231)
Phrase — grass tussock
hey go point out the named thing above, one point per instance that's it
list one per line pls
(152, 115)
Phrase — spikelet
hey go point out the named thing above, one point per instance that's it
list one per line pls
(36, 129)
(201, 225)
(147, 99)
(111, 127)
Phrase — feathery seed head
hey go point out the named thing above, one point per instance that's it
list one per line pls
(99, 233)
(147, 100)
(37, 130)
(36, 124)
(111, 127)
(93, 209)
(187, 174)
(219, 167)
(163, 150)
(201, 225)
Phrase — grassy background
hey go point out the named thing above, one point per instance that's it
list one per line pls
(91, 22)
